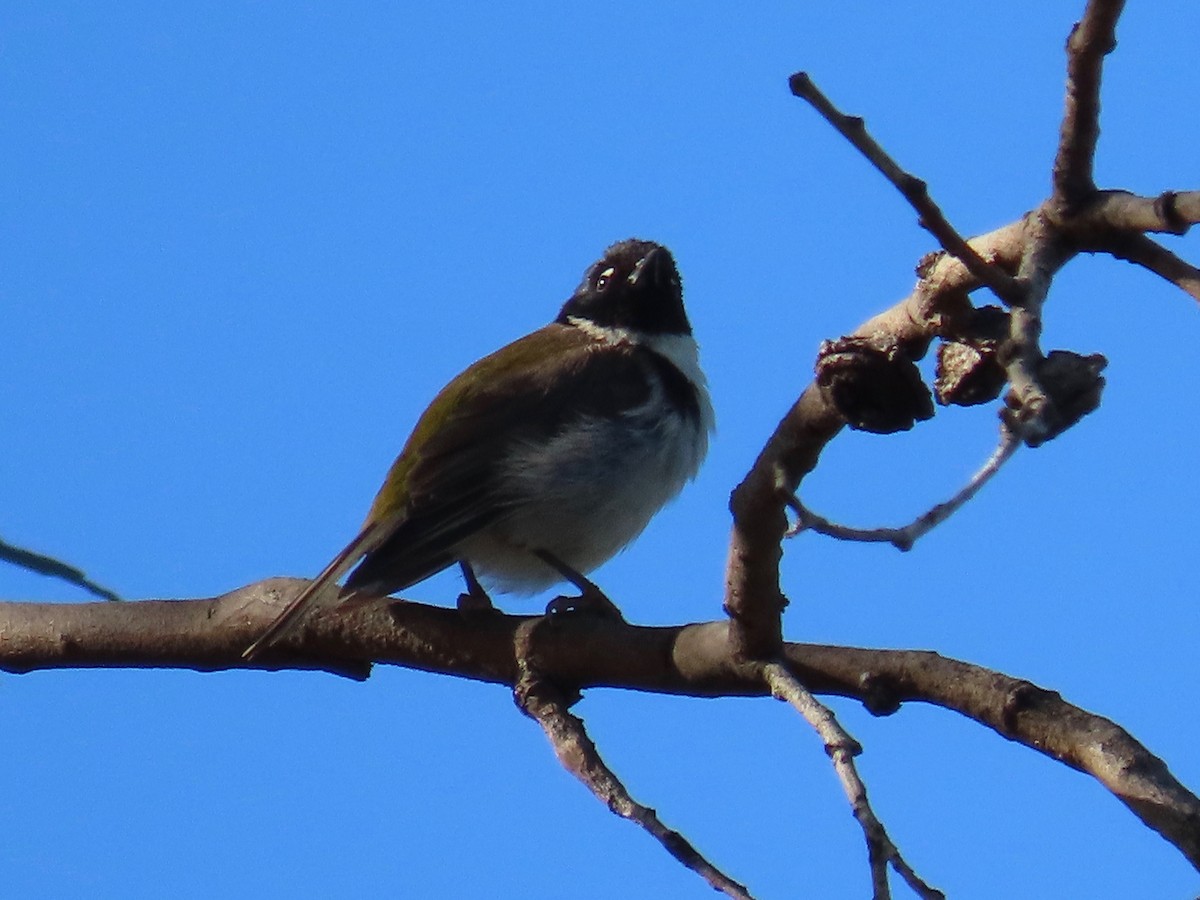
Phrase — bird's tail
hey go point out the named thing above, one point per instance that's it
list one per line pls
(318, 593)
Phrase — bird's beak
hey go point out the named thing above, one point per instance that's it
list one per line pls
(655, 269)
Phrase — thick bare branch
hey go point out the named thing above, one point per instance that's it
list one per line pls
(753, 597)
(1092, 38)
(1171, 212)
(1018, 710)
(1033, 420)
(698, 660)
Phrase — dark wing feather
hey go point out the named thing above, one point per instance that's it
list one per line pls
(450, 465)
(318, 592)
(444, 487)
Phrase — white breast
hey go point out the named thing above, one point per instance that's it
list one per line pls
(595, 487)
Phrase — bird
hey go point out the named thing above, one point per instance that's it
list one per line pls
(544, 459)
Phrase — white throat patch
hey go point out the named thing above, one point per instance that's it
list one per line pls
(681, 350)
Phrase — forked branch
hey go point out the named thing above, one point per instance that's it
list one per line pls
(842, 749)
(914, 190)
(549, 706)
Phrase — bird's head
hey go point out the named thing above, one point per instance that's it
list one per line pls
(635, 286)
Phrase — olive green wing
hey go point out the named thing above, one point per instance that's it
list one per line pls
(446, 484)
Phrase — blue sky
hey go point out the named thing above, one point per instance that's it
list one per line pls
(244, 244)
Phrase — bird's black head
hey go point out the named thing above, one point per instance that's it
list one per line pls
(634, 285)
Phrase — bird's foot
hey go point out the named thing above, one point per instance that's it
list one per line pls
(474, 604)
(592, 601)
(474, 599)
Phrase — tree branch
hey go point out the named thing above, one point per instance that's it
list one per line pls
(52, 568)
(546, 704)
(914, 190)
(1092, 38)
(1153, 256)
(1076, 217)
(1171, 212)
(698, 660)
(842, 749)
(904, 537)
(753, 598)
(1035, 416)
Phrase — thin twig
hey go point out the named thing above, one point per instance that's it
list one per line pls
(1150, 254)
(54, 568)
(546, 704)
(905, 537)
(842, 749)
(915, 191)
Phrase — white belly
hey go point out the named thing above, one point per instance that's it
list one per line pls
(591, 492)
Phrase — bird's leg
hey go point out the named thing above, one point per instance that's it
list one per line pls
(475, 599)
(590, 599)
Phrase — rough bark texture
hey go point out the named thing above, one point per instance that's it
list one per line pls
(698, 660)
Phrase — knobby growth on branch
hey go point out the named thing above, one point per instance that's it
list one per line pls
(866, 380)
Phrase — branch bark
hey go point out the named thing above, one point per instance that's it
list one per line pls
(842, 749)
(696, 660)
(1093, 37)
(547, 704)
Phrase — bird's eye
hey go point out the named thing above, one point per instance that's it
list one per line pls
(604, 278)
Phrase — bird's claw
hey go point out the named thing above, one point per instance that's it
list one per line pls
(589, 602)
(472, 604)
